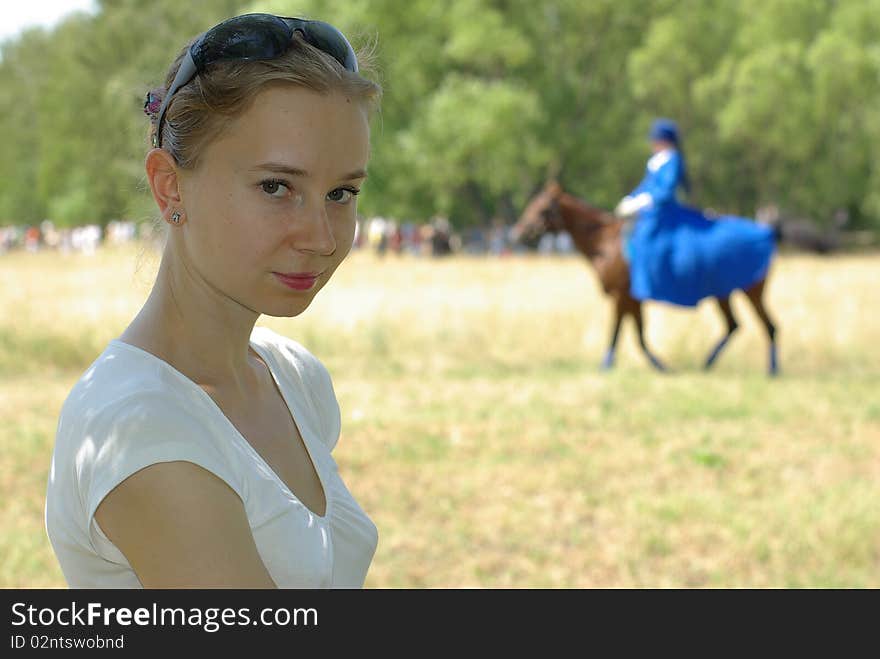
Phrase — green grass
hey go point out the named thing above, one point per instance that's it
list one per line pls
(488, 448)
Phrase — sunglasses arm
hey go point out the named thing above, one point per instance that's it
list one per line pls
(185, 73)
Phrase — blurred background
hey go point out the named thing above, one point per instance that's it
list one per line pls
(478, 432)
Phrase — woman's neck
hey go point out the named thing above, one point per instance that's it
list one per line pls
(194, 328)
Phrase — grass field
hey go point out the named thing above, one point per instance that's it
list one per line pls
(480, 436)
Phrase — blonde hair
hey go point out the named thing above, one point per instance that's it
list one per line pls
(203, 108)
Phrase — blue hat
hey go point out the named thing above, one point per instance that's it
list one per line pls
(664, 129)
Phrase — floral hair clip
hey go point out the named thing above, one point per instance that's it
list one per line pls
(152, 104)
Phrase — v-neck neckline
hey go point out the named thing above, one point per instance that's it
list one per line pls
(291, 408)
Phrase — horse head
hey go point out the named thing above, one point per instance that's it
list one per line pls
(542, 214)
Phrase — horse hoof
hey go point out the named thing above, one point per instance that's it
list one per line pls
(659, 366)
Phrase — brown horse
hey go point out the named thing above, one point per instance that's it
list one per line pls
(597, 235)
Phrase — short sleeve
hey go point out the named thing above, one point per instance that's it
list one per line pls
(326, 402)
(315, 379)
(137, 432)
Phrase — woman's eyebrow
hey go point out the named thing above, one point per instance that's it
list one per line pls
(296, 171)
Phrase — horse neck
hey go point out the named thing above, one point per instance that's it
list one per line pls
(587, 225)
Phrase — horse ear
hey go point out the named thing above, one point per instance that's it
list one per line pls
(554, 167)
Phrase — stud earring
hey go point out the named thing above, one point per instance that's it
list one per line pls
(175, 217)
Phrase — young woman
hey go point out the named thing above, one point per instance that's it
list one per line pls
(675, 253)
(196, 450)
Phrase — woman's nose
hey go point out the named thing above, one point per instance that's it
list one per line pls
(312, 231)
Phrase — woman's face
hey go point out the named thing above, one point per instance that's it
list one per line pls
(275, 194)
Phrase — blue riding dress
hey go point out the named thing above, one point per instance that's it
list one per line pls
(678, 255)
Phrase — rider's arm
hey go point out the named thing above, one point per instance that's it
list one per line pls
(632, 204)
(658, 187)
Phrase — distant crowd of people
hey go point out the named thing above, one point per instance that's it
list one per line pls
(382, 235)
(83, 239)
(438, 238)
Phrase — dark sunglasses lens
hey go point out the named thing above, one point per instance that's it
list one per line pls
(252, 36)
(331, 41)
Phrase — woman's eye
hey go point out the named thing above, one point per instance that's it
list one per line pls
(272, 186)
(342, 195)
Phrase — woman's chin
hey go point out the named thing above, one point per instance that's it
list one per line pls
(285, 310)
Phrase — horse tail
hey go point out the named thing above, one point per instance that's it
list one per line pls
(803, 235)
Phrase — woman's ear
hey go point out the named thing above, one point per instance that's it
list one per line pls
(164, 180)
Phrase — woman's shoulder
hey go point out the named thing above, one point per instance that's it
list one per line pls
(313, 376)
(152, 412)
(120, 371)
(291, 352)
(126, 384)
(662, 158)
(98, 445)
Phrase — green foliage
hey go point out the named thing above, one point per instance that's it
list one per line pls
(477, 131)
(779, 101)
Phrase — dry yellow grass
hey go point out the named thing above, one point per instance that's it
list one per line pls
(480, 436)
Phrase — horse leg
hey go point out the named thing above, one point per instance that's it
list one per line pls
(724, 305)
(636, 311)
(756, 297)
(619, 313)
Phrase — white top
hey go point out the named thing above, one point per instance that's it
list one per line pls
(659, 159)
(131, 409)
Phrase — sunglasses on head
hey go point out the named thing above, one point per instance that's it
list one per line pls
(254, 37)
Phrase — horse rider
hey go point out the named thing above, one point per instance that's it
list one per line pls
(677, 254)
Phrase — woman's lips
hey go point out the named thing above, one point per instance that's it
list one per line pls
(300, 281)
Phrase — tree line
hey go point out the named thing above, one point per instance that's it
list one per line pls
(778, 102)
